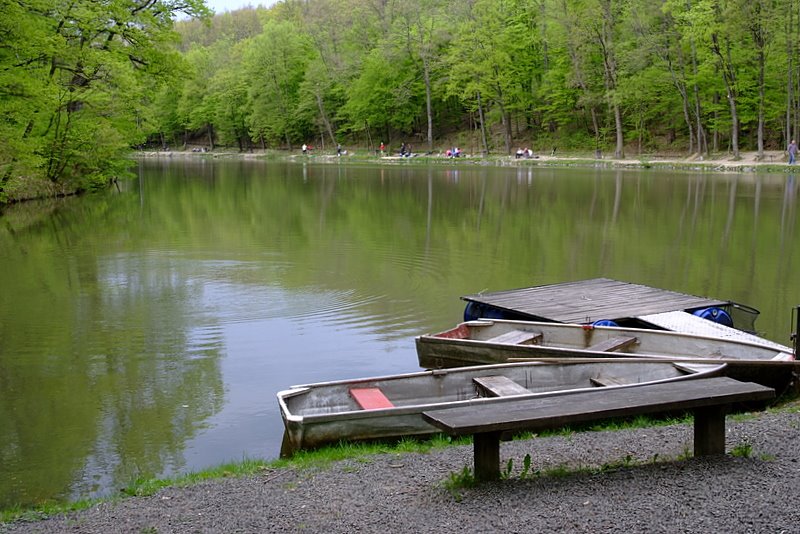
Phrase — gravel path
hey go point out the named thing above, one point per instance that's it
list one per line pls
(405, 492)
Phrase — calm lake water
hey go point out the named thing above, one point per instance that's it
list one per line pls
(145, 332)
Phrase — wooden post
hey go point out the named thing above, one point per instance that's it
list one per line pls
(709, 431)
(486, 447)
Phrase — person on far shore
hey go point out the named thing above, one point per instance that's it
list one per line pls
(304, 148)
(383, 148)
(792, 152)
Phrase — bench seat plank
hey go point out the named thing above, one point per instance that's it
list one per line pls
(613, 344)
(370, 398)
(606, 380)
(570, 408)
(517, 337)
(499, 386)
(709, 398)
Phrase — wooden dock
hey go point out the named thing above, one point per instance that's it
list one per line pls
(586, 301)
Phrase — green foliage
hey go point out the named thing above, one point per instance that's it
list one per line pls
(461, 480)
(76, 78)
(506, 473)
(386, 94)
(275, 63)
(743, 449)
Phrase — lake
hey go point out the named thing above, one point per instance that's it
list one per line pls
(145, 331)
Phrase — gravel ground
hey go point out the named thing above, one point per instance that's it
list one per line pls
(405, 492)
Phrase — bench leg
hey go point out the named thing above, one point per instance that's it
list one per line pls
(709, 431)
(486, 446)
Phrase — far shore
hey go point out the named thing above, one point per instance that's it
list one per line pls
(772, 161)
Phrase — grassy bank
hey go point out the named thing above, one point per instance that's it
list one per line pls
(316, 459)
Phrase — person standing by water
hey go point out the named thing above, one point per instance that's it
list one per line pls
(792, 152)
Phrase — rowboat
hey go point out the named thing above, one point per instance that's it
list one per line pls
(495, 341)
(391, 406)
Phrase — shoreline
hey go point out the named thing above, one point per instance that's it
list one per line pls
(26, 189)
(640, 480)
(772, 162)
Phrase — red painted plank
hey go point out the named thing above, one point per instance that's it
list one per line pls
(370, 398)
(459, 332)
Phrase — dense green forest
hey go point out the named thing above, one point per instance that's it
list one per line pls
(83, 81)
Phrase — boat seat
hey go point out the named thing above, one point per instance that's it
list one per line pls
(499, 386)
(370, 398)
(613, 344)
(605, 380)
(695, 367)
(517, 337)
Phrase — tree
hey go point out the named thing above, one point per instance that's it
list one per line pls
(275, 62)
(423, 34)
(83, 71)
(491, 38)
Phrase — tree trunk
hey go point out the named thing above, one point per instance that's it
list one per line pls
(506, 128)
(760, 40)
(606, 41)
(761, 104)
(702, 139)
(428, 101)
(324, 117)
(619, 151)
(730, 86)
(210, 136)
(483, 127)
(680, 84)
(790, 134)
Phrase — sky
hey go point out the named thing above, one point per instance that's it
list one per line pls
(220, 6)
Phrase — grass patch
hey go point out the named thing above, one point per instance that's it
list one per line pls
(319, 459)
(455, 482)
(743, 449)
(465, 478)
(43, 510)
(144, 487)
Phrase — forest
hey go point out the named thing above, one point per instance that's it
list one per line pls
(83, 82)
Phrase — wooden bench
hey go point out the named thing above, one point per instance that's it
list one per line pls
(613, 344)
(708, 398)
(517, 337)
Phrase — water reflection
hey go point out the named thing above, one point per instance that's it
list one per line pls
(146, 332)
